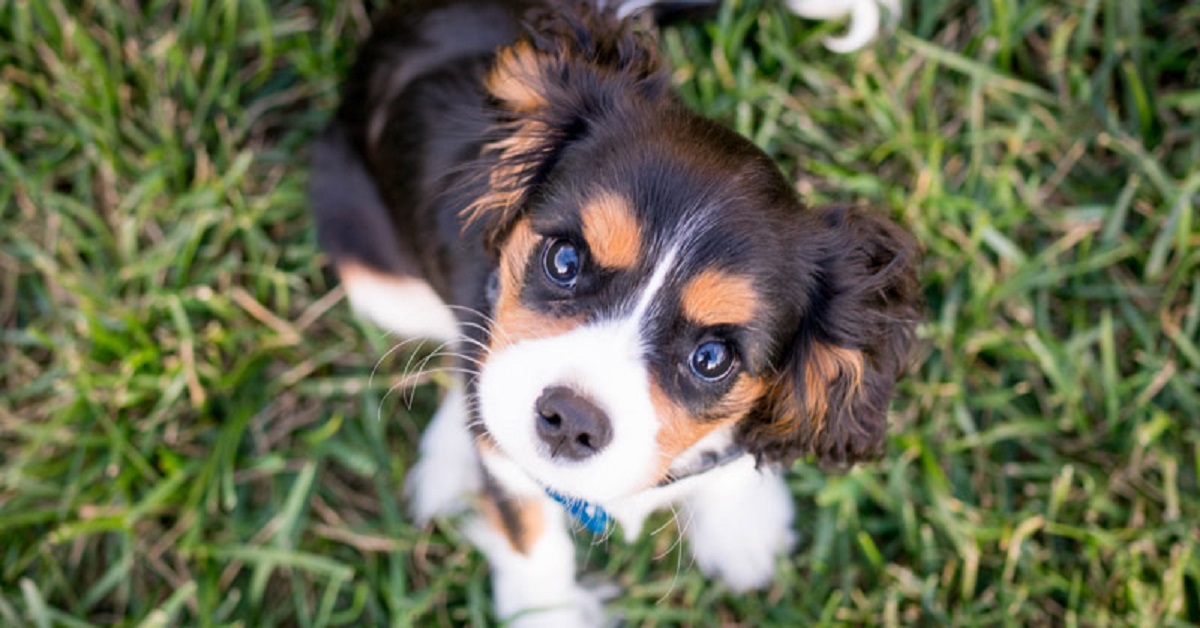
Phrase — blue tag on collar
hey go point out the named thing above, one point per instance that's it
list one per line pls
(593, 517)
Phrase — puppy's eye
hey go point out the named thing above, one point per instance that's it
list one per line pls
(712, 360)
(561, 261)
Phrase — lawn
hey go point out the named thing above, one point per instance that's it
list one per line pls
(193, 429)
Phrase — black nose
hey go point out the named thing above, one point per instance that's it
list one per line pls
(570, 424)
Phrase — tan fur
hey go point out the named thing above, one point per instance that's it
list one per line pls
(507, 181)
(742, 397)
(613, 234)
(527, 523)
(485, 443)
(514, 257)
(527, 520)
(517, 78)
(715, 297)
(679, 430)
(825, 365)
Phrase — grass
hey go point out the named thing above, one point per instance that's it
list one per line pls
(189, 429)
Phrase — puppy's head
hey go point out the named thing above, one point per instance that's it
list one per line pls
(660, 284)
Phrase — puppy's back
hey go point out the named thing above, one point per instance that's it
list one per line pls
(412, 112)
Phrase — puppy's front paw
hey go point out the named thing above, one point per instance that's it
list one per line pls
(740, 527)
(743, 559)
(580, 608)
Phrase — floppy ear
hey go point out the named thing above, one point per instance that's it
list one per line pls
(576, 64)
(831, 394)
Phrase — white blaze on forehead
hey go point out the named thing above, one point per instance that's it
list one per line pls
(603, 361)
(653, 286)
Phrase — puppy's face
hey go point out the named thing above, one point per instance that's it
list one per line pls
(659, 282)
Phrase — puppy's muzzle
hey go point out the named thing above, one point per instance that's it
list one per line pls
(570, 424)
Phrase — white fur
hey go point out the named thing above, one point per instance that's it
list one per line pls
(738, 521)
(408, 307)
(447, 471)
(736, 517)
(864, 19)
(864, 16)
(603, 361)
(630, 7)
(537, 589)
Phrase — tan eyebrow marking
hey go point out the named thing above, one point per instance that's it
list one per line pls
(613, 234)
(714, 297)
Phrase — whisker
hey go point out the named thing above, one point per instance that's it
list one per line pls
(487, 331)
(664, 526)
(403, 380)
(587, 556)
(409, 363)
(411, 375)
(396, 347)
(487, 318)
(484, 350)
(408, 382)
(411, 392)
(413, 379)
(607, 535)
(462, 356)
(493, 328)
(681, 527)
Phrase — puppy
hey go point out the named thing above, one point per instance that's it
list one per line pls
(647, 314)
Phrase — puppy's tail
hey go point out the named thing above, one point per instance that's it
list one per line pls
(865, 17)
(664, 11)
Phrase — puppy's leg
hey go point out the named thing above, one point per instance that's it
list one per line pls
(738, 523)
(447, 471)
(355, 229)
(532, 560)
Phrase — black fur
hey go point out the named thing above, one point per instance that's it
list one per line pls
(454, 166)
(866, 297)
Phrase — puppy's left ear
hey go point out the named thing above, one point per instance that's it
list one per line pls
(576, 65)
(830, 397)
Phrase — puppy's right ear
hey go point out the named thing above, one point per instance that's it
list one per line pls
(575, 65)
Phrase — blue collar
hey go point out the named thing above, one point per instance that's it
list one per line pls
(590, 515)
(595, 518)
